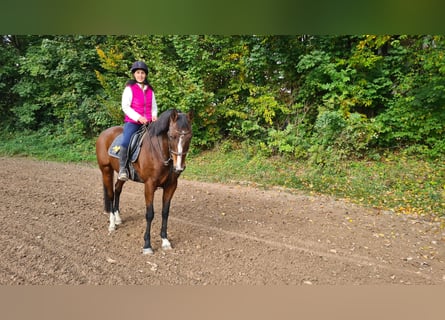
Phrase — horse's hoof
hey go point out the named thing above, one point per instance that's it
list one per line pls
(117, 218)
(166, 245)
(112, 225)
(147, 251)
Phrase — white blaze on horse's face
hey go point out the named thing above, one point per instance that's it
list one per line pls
(179, 144)
(179, 155)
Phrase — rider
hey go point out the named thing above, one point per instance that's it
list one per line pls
(140, 108)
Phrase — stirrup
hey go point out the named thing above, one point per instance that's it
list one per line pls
(123, 175)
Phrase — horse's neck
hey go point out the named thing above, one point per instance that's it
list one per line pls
(158, 146)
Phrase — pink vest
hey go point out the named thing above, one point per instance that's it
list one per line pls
(141, 102)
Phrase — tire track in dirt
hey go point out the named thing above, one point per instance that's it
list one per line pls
(408, 247)
(308, 248)
(221, 234)
(56, 254)
(37, 261)
(299, 246)
(58, 246)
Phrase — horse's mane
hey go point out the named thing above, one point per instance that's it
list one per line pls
(162, 124)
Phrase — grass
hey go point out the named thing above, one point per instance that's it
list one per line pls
(401, 184)
(46, 146)
(405, 185)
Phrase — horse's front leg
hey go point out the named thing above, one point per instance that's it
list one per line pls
(166, 245)
(166, 200)
(149, 215)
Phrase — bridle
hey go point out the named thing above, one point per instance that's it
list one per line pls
(181, 133)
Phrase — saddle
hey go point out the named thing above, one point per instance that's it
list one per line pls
(134, 148)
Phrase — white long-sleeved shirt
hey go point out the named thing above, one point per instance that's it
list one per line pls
(127, 97)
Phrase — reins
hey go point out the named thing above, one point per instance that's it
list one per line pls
(165, 162)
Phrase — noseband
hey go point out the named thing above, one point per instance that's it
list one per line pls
(181, 133)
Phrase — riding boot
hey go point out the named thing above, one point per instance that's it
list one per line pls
(123, 173)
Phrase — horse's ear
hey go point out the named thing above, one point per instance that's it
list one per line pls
(174, 115)
(190, 115)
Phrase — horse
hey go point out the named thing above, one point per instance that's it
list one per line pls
(161, 160)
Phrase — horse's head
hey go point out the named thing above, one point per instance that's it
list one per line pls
(179, 137)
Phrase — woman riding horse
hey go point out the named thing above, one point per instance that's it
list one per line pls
(162, 153)
(140, 108)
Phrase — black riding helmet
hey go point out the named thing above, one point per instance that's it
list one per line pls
(139, 65)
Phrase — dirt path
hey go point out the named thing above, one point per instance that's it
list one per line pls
(53, 231)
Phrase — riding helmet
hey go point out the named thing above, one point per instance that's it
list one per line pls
(139, 65)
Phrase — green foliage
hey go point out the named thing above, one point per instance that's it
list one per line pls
(47, 144)
(8, 76)
(322, 98)
(292, 141)
(57, 84)
(324, 105)
(415, 119)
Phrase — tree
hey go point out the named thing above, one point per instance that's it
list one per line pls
(277, 94)
(58, 84)
(415, 118)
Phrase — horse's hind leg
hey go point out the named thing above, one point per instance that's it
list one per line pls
(109, 196)
(117, 194)
(107, 179)
(108, 201)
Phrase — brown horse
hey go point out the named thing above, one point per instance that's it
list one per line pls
(160, 162)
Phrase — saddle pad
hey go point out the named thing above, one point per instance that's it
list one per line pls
(114, 151)
(134, 148)
(115, 148)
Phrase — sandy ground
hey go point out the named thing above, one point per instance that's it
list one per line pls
(53, 231)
